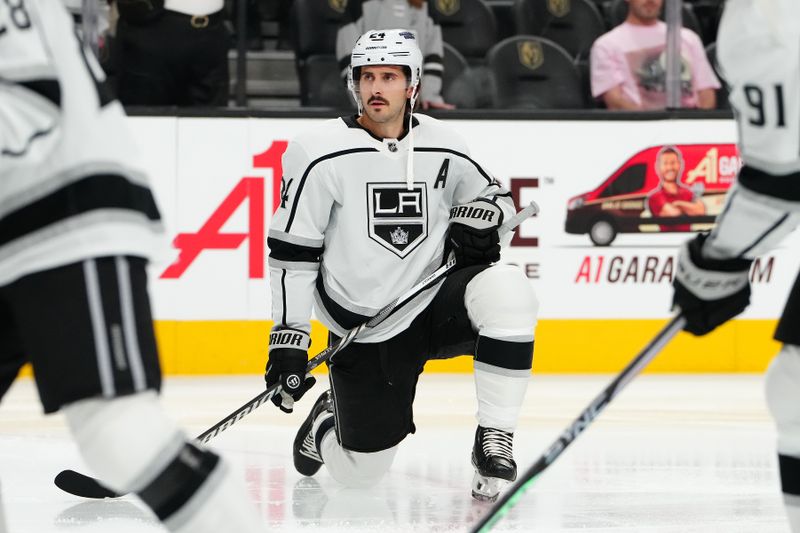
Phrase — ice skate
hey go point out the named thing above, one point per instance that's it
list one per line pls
(492, 457)
(307, 459)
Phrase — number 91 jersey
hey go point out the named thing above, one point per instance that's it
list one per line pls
(758, 49)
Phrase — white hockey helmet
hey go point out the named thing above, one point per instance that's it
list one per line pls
(385, 47)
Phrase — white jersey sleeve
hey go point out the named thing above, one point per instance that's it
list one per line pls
(29, 87)
(296, 237)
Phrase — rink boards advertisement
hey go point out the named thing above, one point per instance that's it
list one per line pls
(600, 254)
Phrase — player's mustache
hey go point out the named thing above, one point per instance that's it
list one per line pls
(377, 99)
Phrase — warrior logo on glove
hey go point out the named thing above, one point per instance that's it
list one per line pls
(288, 339)
(288, 356)
(479, 217)
(293, 381)
(473, 236)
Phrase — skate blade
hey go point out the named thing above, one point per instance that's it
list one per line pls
(487, 489)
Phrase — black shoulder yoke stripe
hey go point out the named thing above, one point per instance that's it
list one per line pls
(459, 154)
(352, 122)
(308, 170)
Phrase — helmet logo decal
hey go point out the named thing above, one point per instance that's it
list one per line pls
(338, 5)
(530, 54)
(448, 8)
(558, 8)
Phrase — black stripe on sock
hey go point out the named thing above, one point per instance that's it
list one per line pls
(101, 191)
(790, 474)
(504, 354)
(179, 481)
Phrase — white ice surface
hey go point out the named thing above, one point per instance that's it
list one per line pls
(673, 454)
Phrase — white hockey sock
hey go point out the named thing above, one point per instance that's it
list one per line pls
(793, 512)
(500, 393)
(133, 446)
(502, 307)
(219, 504)
(354, 469)
(3, 528)
(782, 385)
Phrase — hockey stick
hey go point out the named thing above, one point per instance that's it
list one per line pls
(568, 436)
(88, 487)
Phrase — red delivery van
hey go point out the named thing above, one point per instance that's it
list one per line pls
(660, 189)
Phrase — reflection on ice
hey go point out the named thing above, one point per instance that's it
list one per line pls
(674, 454)
(110, 513)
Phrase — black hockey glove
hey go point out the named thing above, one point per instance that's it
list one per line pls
(709, 292)
(288, 357)
(473, 236)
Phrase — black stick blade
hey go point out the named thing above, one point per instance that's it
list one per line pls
(84, 486)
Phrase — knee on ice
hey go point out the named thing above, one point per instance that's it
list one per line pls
(502, 298)
(357, 470)
(783, 398)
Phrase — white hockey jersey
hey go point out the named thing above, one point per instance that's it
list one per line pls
(71, 186)
(759, 53)
(350, 236)
(758, 49)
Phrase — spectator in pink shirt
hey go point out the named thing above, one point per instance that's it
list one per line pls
(628, 64)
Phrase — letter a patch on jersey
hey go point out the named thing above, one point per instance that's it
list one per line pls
(398, 218)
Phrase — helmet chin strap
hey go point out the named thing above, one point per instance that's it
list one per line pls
(410, 155)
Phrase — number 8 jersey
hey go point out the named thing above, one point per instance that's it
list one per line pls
(71, 184)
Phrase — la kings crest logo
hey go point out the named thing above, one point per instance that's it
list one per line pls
(398, 217)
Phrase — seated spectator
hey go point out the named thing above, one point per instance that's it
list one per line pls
(628, 64)
(411, 15)
(172, 53)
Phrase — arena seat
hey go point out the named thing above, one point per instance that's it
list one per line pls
(573, 24)
(468, 25)
(315, 24)
(533, 73)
